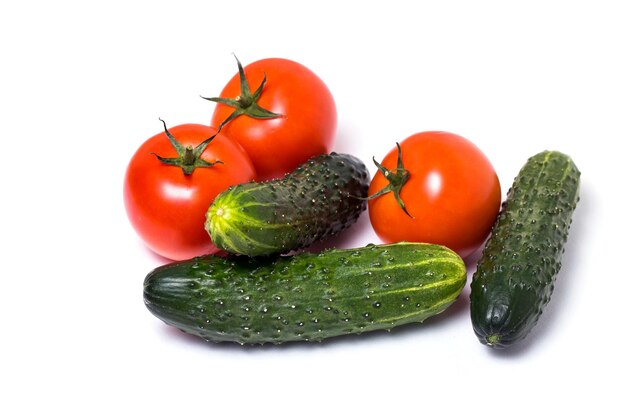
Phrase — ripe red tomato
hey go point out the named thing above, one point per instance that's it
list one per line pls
(281, 123)
(166, 206)
(451, 193)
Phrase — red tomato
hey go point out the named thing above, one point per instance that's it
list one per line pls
(452, 193)
(167, 207)
(294, 118)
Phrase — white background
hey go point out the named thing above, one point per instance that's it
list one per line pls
(83, 84)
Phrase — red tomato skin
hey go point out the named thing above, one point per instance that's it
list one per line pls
(453, 194)
(306, 128)
(166, 207)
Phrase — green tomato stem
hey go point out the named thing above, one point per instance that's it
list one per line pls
(246, 102)
(397, 178)
(188, 158)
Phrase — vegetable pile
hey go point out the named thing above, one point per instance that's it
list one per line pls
(235, 205)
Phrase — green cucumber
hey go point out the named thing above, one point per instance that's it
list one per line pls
(319, 199)
(515, 277)
(305, 297)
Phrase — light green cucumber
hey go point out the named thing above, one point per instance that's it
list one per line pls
(319, 199)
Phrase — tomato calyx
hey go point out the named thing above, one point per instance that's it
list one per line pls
(246, 102)
(188, 158)
(397, 178)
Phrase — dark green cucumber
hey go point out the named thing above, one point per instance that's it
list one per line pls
(320, 198)
(515, 277)
(306, 297)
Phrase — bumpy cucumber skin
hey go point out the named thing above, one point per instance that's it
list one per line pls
(319, 199)
(306, 297)
(515, 277)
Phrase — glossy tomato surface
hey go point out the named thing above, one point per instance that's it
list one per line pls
(166, 207)
(452, 193)
(306, 126)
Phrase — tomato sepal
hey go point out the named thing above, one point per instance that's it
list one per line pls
(396, 177)
(246, 102)
(188, 158)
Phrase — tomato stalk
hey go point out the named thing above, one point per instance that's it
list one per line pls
(246, 102)
(189, 158)
(397, 178)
